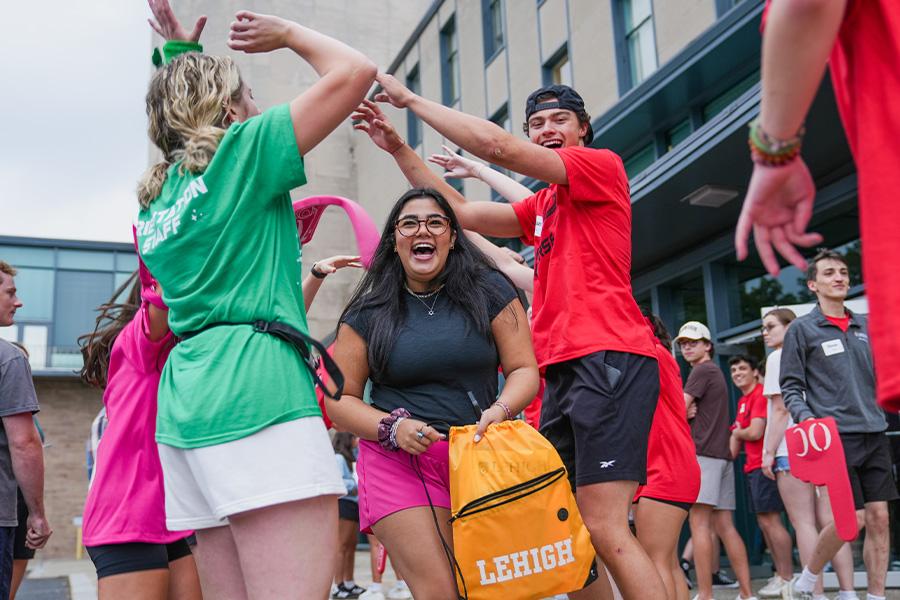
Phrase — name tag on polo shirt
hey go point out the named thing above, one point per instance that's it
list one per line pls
(538, 226)
(832, 347)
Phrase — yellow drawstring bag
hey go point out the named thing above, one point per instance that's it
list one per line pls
(517, 532)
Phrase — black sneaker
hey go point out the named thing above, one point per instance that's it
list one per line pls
(721, 580)
(343, 593)
(686, 567)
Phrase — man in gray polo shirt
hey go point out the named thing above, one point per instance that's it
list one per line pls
(21, 455)
(827, 371)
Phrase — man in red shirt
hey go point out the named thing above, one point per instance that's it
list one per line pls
(860, 40)
(590, 337)
(748, 430)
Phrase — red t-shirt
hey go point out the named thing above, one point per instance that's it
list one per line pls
(533, 410)
(752, 406)
(581, 233)
(672, 469)
(842, 323)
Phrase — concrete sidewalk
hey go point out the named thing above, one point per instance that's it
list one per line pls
(61, 579)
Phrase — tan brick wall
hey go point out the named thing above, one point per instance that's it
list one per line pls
(67, 409)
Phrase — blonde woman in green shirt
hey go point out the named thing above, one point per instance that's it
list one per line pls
(246, 459)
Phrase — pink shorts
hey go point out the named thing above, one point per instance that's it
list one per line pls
(388, 481)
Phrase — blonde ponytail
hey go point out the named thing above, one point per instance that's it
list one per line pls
(187, 106)
(151, 183)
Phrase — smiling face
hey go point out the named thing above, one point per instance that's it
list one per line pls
(773, 331)
(9, 302)
(423, 253)
(694, 351)
(832, 280)
(556, 128)
(744, 376)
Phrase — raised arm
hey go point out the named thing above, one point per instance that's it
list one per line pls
(521, 275)
(167, 25)
(481, 137)
(461, 167)
(345, 74)
(324, 268)
(491, 218)
(798, 38)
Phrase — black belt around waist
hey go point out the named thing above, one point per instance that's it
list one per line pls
(301, 342)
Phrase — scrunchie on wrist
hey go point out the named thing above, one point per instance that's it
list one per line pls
(387, 432)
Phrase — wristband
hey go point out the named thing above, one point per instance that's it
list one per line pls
(317, 273)
(173, 48)
(771, 152)
(505, 409)
(387, 433)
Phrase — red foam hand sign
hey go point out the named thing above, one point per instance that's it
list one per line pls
(816, 455)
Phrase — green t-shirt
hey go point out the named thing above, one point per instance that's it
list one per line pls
(223, 245)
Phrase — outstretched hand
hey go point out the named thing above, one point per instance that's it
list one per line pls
(777, 209)
(368, 118)
(253, 32)
(456, 165)
(333, 263)
(167, 25)
(393, 91)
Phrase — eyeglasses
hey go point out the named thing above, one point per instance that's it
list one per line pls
(410, 226)
(767, 328)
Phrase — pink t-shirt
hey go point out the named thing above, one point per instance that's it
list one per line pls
(126, 502)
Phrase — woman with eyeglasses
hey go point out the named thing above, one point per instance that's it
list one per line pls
(429, 324)
(808, 511)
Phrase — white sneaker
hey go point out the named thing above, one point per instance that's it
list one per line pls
(790, 592)
(739, 597)
(399, 591)
(697, 597)
(773, 587)
(372, 595)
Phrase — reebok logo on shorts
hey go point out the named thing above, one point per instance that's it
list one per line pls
(605, 464)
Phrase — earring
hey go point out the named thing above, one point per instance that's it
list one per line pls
(451, 246)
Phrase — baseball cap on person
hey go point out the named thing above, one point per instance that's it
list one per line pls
(566, 98)
(693, 330)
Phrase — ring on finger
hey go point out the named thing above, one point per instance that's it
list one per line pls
(420, 434)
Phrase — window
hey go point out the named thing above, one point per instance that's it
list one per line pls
(413, 124)
(35, 288)
(449, 63)
(723, 100)
(86, 260)
(723, 6)
(558, 70)
(494, 35)
(640, 160)
(638, 46)
(25, 256)
(677, 134)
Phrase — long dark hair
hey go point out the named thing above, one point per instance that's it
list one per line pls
(382, 287)
(343, 445)
(659, 328)
(114, 316)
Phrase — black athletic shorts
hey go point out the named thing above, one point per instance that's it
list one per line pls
(597, 412)
(20, 550)
(685, 506)
(869, 465)
(115, 559)
(348, 510)
(763, 493)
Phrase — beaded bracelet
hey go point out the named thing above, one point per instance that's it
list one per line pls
(387, 428)
(771, 152)
(505, 409)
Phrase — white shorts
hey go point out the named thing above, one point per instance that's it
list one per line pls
(281, 463)
(716, 483)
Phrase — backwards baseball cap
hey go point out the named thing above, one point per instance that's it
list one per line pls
(566, 98)
(693, 330)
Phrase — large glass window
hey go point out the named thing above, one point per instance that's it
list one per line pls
(126, 261)
(494, 35)
(35, 289)
(450, 63)
(640, 41)
(413, 124)
(677, 134)
(87, 260)
(25, 256)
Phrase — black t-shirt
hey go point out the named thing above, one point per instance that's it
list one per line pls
(437, 359)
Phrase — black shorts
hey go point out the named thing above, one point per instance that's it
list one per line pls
(869, 466)
(685, 506)
(763, 493)
(115, 559)
(348, 510)
(20, 550)
(597, 413)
